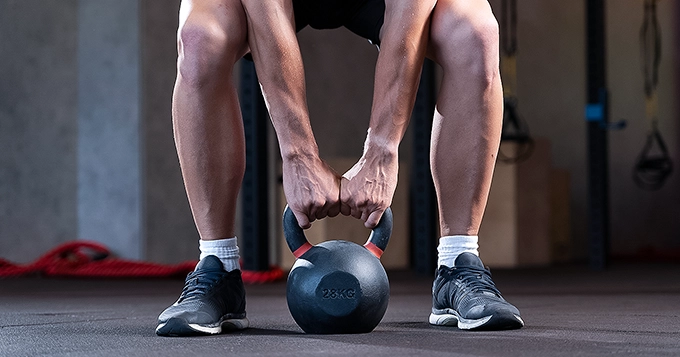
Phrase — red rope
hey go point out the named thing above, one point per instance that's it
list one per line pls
(93, 260)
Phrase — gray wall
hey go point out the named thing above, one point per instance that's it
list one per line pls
(109, 122)
(85, 132)
(170, 232)
(38, 126)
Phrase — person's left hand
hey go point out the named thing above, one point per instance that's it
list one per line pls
(366, 190)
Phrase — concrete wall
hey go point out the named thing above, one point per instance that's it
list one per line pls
(169, 228)
(110, 138)
(85, 133)
(38, 126)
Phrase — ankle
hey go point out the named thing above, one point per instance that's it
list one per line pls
(226, 250)
(450, 247)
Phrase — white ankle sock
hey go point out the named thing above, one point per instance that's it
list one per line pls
(451, 246)
(224, 249)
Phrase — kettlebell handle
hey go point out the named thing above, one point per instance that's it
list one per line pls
(299, 245)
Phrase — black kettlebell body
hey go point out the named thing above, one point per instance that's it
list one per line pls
(337, 286)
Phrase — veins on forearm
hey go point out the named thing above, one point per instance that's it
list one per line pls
(398, 69)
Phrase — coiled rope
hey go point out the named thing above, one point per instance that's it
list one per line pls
(84, 259)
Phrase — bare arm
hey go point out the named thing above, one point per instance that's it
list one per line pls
(368, 187)
(404, 42)
(311, 186)
(276, 53)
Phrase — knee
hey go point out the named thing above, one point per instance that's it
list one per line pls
(205, 53)
(466, 42)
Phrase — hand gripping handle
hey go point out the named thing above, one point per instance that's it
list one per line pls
(299, 245)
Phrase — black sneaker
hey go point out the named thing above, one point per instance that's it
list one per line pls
(467, 297)
(212, 301)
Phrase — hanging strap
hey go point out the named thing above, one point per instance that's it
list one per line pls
(508, 32)
(650, 47)
(515, 129)
(654, 165)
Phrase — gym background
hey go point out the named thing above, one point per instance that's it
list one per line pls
(86, 148)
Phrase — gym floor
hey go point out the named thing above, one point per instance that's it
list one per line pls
(630, 309)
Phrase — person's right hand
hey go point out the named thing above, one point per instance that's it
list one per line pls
(312, 189)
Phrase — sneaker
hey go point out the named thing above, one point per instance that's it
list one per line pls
(212, 301)
(467, 297)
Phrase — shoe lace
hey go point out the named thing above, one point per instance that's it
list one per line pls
(198, 283)
(473, 280)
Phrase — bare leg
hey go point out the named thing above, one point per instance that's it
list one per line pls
(468, 117)
(206, 116)
(211, 148)
(465, 139)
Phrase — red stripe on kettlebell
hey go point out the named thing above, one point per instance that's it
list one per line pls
(374, 249)
(302, 250)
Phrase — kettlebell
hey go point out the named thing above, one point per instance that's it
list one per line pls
(337, 286)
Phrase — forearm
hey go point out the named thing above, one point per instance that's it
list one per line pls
(403, 47)
(276, 53)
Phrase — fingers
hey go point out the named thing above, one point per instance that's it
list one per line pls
(303, 220)
(331, 208)
(345, 208)
(374, 219)
(356, 213)
(316, 210)
(309, 210)
(365, 210)
(334, 210)
(364, 215)
(348, 205)
(312, 190)
(370, 214)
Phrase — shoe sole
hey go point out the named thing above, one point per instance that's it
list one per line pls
(500, 321)
(176, 327)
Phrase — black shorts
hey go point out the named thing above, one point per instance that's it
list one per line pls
(363, 17)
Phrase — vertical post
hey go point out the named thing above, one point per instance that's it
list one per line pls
(676, 65)
(254, 191)
(597, 118)
(423, 200)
